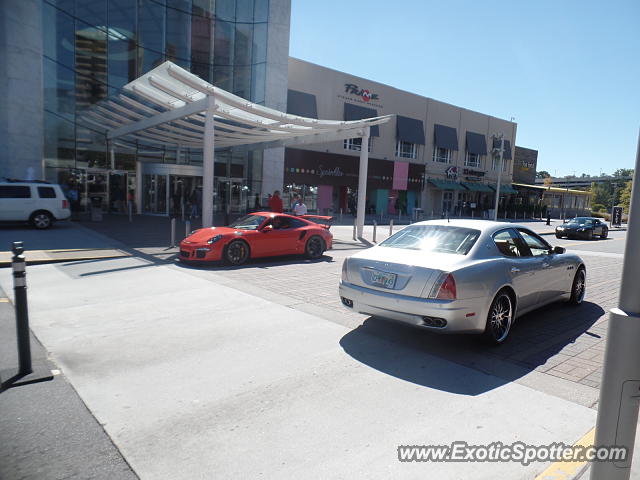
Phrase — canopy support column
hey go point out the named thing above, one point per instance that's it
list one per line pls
(207, 164)
(362, 182)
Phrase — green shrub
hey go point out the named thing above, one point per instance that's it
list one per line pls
(598, 207)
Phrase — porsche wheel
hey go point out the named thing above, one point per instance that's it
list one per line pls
(314, 247)
(499, 318)
(579, 287)
(236, 253)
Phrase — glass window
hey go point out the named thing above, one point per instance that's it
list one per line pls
(242, 81)
(226, 10)
(258, 81)
(434, 238)
(441, 155)
(248, 222)
(178, 32)
(58, 35)
(92, 12)
(15, 191)
(244, 11)
(260, 43)
(224, 43)
(243, 44)
(151, 23)
(356, 144)
(121, 43)
(537, 245)
(509, 244)
(59, 89)
(406, 149)
(201, 57)
(261, 11)
(46, 192)
(472, 160)
(59, 141)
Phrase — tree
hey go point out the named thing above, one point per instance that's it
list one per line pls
(543, 174)
(623, 172)
(548, 181)
(625, 196)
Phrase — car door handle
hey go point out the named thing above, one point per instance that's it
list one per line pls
(514, 270)
(545, 265)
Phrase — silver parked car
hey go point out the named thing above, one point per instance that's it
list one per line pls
(471, 276)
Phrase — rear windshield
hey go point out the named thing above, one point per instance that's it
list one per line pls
(434, 238)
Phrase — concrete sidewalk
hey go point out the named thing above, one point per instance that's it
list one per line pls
(46, 430)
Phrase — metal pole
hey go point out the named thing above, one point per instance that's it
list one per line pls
(620, 386)
(22, 313)
(340, 215)
(182, 209)
(355, 223)
(173, 232)
(130, 206)
(375, 226)
(362, 180)
(207, 165)
(187, 228)
(501, 137)
(390, 226)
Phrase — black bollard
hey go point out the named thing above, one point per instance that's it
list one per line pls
(22, 313)
(548, 217)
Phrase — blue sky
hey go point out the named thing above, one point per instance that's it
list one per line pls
(568, 71)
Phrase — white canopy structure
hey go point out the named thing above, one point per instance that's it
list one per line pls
(171, 106)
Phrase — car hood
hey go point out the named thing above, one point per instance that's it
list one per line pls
(204, 234)
(566, 226)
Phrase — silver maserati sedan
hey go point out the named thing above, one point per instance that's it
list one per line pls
(462, 276)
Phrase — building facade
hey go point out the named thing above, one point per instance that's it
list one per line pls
(82, 51)
(433, 156)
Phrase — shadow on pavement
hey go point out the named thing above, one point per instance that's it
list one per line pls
(407, 353)
(261, 263)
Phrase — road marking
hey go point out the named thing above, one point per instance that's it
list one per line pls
(568, 470)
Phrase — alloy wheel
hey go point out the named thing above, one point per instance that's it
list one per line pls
(237, 252)
(579, 287)
(314, 247)
(500, 318)
(42, 221)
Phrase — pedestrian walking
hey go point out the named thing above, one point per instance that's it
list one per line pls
(300, 208)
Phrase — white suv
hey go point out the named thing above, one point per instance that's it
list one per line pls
(39, 203)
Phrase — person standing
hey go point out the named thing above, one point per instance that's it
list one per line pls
(256, 203)
(275, 203)
(300, 208)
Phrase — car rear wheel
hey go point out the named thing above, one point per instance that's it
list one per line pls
(579, 287)
(314, 247)
(499, 319)
(236, 253)
(41, 220)
(605, 233)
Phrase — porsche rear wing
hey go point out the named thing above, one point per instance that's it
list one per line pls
(326, 222)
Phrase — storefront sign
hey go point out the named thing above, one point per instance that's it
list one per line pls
(333, 172)
(616, 217)
(473, 173)
(452, 172)
(363, 93)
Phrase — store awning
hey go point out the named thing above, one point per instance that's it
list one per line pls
(410, 130)
(476, 143)
(302, 104)
(505, 188)
(356, 112)
(446, 184)
(507, 148)
(445, 137)
(477, 187)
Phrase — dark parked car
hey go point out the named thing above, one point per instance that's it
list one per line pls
(582, 227)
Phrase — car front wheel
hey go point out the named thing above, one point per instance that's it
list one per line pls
(499, 318)
(236, 253)
(558, 235)
(605, 233)
(41, 220)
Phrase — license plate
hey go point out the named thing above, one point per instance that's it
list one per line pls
(383, 279)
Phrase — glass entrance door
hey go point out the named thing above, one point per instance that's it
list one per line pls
(230, 195)
(154, 194)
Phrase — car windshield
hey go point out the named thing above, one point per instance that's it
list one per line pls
(434, 238)
(581, 221)
(248, 222)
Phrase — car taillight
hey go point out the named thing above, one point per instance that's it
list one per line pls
(444, 288)
(65, 203)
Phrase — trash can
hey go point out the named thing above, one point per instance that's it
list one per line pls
(96, 208)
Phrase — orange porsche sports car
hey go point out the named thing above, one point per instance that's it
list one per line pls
(259, 234)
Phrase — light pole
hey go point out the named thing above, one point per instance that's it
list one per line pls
(620, 386)
(501, 150)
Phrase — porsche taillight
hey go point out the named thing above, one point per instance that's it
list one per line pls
(444, 288)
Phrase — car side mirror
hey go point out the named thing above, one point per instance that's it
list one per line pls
(559, 250)
(266, 228)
